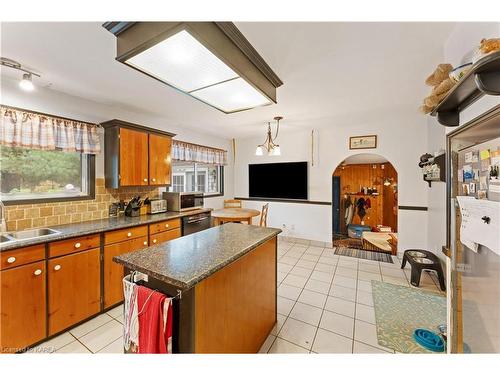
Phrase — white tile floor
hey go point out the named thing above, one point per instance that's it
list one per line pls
(325, 302)
(102, 334)
(325, 305)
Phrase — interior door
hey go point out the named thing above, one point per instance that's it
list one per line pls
(133, 158)
(336, 205)
(74, 289)
(159, 159)
(22, 298)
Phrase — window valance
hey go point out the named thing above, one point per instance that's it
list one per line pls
(201, 154)
(22, 128)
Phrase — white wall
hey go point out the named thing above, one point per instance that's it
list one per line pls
(56, 103)
(402, 138)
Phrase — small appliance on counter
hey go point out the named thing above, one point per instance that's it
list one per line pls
(182, 201)
(156, 206)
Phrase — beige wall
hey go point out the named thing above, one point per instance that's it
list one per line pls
(26, 216)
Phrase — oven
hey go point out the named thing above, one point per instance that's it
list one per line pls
(195, 223)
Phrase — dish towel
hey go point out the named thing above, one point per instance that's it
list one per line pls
(155, 321)
(131, 322)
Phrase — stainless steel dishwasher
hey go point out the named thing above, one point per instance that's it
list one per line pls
(195, 223)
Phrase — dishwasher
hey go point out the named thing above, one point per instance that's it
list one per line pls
(195, 223)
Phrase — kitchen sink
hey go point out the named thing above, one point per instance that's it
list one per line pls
(5, 239)
(27, 234)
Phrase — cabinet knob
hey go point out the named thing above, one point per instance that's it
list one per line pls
(166, 225)
(57, 267)
(145, 243)
(145, 180)
(37, 272)
(153, 179)
(129, 234)
(11, 259)
(155, 240)
(77, 245)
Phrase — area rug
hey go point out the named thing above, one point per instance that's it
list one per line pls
(363, 254)
(353, 243)
(399, 310)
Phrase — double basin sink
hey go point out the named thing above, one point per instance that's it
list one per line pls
(26, 235)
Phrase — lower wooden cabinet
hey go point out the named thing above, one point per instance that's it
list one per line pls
(23, 306)
(113, 272)
(157, 238)
(74, 289)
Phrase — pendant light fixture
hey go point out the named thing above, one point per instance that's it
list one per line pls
(269, 147)
(26, 82)
(210, 61)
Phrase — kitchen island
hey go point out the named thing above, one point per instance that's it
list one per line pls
(226, 280)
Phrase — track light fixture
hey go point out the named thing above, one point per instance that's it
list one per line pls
(26, 82)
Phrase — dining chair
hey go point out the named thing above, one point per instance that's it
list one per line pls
(263, 215)
(232, 203)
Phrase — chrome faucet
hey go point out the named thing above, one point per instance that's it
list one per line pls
(3, 224)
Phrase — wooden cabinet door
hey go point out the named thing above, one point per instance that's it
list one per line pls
(159, 159)
(23, 319)
(113, 272)
(157, 238)
(133, 157)
(74, 289)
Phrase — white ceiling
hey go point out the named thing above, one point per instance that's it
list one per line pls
(331, 71)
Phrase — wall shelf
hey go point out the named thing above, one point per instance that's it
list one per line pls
(482, 79)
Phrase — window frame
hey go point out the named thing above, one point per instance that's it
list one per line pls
(205, 195)
(88, 179)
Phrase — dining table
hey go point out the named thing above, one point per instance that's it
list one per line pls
(225, 215)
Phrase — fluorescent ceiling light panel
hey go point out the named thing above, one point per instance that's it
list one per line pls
(231, 96)
(183, 62)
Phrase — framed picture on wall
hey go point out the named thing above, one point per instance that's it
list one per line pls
(362, 141)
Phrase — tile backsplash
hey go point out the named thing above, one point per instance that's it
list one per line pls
(26, 216)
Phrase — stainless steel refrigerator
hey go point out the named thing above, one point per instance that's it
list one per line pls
(473, 155)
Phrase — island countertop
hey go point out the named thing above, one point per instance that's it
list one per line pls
(186, 261)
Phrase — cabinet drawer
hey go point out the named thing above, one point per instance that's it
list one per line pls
(74, 245)
(157, 238)
(163, 226)
(125, 234)
(24, 255)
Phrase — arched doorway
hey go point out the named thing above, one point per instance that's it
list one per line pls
(365, 199)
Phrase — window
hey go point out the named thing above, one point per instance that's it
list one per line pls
(189, 176)
(41, 176)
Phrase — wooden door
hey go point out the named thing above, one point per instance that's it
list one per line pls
(23, 307)
(159, 159)
(133, 157)
(113, 272)
(74, 289)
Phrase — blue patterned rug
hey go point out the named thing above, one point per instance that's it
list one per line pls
(399, 310)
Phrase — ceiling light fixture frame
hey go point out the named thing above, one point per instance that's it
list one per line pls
(222, 39)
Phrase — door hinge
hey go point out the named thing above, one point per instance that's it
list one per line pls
(119, 176)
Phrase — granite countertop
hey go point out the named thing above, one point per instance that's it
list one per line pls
(98, 226)
(186, 261)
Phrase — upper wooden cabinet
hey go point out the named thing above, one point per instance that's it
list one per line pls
(160, 148)
(136, 155)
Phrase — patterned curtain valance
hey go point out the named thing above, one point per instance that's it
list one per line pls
(201, 154)
(20, 128)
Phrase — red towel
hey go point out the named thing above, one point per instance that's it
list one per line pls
(155, 329)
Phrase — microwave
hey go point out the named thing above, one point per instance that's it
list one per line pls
(183, 201)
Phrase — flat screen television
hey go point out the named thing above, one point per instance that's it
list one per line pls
(278, 180)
